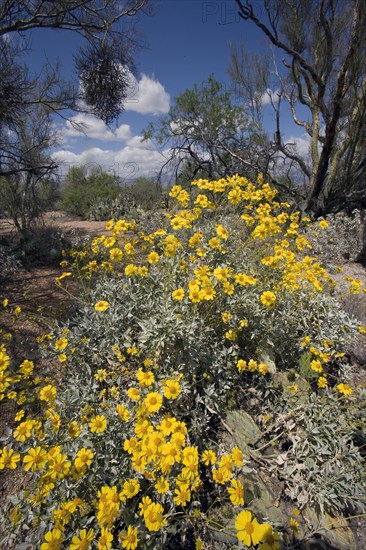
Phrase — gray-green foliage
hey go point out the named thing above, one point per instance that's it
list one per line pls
(321, 465)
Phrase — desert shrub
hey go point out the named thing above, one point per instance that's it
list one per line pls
(341, 239)
(44, 245)
(116, 207)
(146, 193)
(174, 327)
(81, 190)
(9, 263)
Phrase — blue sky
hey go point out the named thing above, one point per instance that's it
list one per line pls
(186, 40)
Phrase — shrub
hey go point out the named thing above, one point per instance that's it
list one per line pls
(176, 326)
(81, 190)
(9, 263)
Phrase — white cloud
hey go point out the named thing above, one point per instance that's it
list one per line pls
(128, 163)
(89, 126)
(300, 144)
(123, 132)
(147, 96)
(267, 97)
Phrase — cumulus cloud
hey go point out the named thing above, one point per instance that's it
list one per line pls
(147, 96)
(301, 144)
(128, 163)
(89, 126)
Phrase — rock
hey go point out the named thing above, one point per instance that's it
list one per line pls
(244, 429)
(288, 382)
(260, 497)
(334, 531)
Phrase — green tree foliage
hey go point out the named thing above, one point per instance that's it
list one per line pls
(146, 193)
(81, 190)
(206, 133)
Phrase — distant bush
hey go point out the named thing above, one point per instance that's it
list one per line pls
(116, 207)
(146, 193)
(81, 191)
(141, 195)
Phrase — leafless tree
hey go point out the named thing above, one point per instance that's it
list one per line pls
(323, 73)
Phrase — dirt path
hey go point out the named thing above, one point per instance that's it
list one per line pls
(62, 221)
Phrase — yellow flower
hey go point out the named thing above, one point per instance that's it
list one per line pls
(134, 394)
(154, 517)
(23, 431)
(182, 495)
(145, 378)
(221, 475)
(271, 540)
(304, 342)
(106, 538)
(83, 458)
(268, 298)
(153, 258)
(171, 389)
(226, 316)
(5, 302)
(162, 485)
(130, 488)
(9, 459)
(83, 540)
(130, 539)
(178, 294)
(115, 254)
(102, 305)
(208, 457)
(241, 365)
(26, 368)
(153, 402)
(222, 232)
(236, 492)
(74, 429)
(322, 382)
(250, 532)
(345, 389)
(361, 329)
(294, 525)
(98, 424)
(19, 415)
(61, 344)
(123, 412)
(323, 224)
(53, 540)
(130, 270)
(109, 225)
(263, 368)
(231, 335)
(48, 393)
(35, 459)
(316, 365)
(237, 457)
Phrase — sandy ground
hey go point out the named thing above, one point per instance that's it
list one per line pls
(62, 221)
